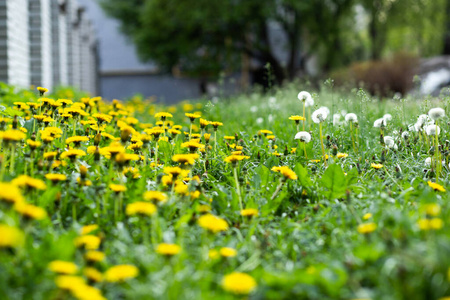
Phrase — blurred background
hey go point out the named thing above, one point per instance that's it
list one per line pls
(178, 49)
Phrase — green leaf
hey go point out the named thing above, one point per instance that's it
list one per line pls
(303, 176)
(334, 180)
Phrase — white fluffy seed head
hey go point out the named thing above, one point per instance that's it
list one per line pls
(318, 116)
(387, 118)
(433, 130)
(309, 102)
(428, 162)
(379, 122)
(405, 134)
(304, 96)
(389, 141)
(436, 113)
(351, 117)
(336, 119)
(303, 136)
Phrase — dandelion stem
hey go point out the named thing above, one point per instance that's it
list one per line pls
(304, 117)
(3, 168)
(280, 185)
(321, 142)
(144, 231)
(215, 143)
(238, 189)
(353, 139)
(304, 149)
(436, 150)
(11, 162)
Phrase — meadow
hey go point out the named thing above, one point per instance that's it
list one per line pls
(329, 194)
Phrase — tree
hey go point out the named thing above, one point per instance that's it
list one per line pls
(205, 37)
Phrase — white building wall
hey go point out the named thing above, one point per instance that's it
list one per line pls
(40, 32)
(59, 42)
(14, 45)
(74, 13)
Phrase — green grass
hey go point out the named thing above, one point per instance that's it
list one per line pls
(304, 244)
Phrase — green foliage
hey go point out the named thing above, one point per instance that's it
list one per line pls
(306, 242)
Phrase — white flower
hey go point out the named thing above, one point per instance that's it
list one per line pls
(389, 141)
(319, 115)
(378, 123)
(336, 119)
(387, 118)
(436, 113)
(270, 118)
(259, 121)
(304, 96)
(395, 147)
(428, 162)
(254, 109)
(418, 127)
(431, 130)
(309, 102)
(351, 117)
(326, 109)
(303, 136)
(405, 134)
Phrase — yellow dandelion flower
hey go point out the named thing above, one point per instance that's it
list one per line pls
(366, 228)
(30, 211)
(93, 274)
(235, 158)
(341, 155)
(42, 90)
(367, 216)
(228, 252)
(155, 196)
(88, 229)
(10, 193)
(436, 186)
(63, 267)
(376, 166)
(94, 256)
(76, 139)
(56, 177)
(12, 135)
(141, 208)
(286, 172)
(187, 159)
(239, 283)
(11, 237)
(163, 115)
(73, 153)
(212, 223)
(297, 119)
(25, 181)
(120, 273)
(168, 249)
(89, 242)
(69, 282)
(117, 187)
(249, 212)
(192, 117)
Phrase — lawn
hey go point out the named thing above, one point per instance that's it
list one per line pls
(283, 195)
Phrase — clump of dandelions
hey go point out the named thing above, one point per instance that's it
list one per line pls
(307, 99)
(304, 137)
(318, 117)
